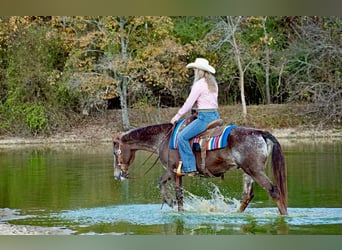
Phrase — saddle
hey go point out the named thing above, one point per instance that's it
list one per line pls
(215, 128)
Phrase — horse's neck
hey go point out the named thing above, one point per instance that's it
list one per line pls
(148, 138)
(147, 145)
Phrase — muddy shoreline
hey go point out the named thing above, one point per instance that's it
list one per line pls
(6, 228)
(98, 135)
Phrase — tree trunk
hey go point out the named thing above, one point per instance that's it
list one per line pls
(241, 74)
(267, 75)
(124, 79)
(267, 63)
(123, 102)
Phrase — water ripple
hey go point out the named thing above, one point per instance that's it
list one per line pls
(152, 214)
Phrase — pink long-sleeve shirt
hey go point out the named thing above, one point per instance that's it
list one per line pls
(200, 93)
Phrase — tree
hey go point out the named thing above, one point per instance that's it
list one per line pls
(33, 98)
(315, 64)
(226, 30)
(121, 55)
(53, 66)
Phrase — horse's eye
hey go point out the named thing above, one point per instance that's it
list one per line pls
(117, 151)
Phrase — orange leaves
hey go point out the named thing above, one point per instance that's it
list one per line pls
(162, 64)
(269, 40)
(96, 85)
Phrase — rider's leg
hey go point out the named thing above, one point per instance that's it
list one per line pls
(194, 128)
(185, 150)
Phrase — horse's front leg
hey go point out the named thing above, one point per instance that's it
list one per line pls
(179, 192)
(163, 188)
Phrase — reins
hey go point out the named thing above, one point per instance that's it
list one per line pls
(153, 152)
(155, 162)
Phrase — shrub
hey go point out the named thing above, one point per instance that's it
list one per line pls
(35, 118)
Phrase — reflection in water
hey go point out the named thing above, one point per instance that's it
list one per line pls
(278, 226)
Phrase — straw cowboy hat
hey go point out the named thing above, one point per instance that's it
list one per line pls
(203, 64)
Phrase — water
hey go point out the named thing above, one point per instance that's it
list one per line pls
(71, 186)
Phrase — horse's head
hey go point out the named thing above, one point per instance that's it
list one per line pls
(123, 157)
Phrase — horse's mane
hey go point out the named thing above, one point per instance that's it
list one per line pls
(146, 133)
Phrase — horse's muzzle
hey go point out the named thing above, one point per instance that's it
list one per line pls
(119, 175)
(119, 170)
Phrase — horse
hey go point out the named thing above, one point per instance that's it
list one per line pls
(247, 149)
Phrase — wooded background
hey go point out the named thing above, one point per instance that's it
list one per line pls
(53, 67)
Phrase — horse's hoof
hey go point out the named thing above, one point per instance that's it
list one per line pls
(169, 202)
(174, 203)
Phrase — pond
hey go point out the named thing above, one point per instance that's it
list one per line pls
(72, 186)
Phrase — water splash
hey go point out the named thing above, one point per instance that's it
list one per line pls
(216, 203)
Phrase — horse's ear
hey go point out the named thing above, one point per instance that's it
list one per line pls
(116, 137)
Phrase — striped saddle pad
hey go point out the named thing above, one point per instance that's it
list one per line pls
(213, 142)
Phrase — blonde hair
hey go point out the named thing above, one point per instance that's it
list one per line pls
(209, 78)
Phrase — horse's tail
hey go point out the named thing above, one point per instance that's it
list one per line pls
(278, 168)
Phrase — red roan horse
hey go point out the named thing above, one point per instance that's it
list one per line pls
(248, 149)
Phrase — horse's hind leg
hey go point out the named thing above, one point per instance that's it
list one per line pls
(262, 179)
(248, 193)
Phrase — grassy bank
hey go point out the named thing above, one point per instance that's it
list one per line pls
(282, 120)
(258, 116)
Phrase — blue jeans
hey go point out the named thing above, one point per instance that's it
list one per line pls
(194, 128)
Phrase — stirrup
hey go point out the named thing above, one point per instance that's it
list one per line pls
(179, 169)
(180, 173)
(190, 174)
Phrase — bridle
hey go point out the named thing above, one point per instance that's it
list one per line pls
(118, 158)
(118, 162)
(118, 155)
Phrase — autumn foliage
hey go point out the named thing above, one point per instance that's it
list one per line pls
(55, 68)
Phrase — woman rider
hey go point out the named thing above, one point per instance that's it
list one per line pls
(204, 92)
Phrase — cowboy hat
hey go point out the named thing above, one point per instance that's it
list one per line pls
(203, 64)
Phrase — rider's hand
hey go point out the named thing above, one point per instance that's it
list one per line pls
(173, 120)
